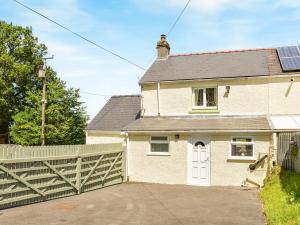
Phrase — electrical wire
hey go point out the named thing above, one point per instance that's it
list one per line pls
(178, 18)
(99, 46)
(80, 36)
(172, 27)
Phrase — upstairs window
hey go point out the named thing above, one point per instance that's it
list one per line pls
(205, 98)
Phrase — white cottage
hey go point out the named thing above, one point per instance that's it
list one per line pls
(203, 118)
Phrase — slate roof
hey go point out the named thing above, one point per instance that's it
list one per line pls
(118, 112)
(209, 123)
(226, 64)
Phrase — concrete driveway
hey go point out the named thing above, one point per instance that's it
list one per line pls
(145, 204)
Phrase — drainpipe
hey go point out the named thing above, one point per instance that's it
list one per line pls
(158, 102)
(125, 146)
(127, 155)
(142, 106)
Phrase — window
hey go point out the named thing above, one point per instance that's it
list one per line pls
(242, 147)
(205, 97)
(159, 145)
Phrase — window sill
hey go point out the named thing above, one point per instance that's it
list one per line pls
(158, 154)
(241, 159)
(203, 111)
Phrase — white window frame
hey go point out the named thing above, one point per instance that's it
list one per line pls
(204, 98)
(159, 142)
(242, 143)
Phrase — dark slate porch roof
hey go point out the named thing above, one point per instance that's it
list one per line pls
(118, 112)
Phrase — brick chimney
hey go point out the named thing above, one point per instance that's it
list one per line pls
(163, 48)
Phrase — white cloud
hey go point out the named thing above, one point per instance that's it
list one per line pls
(289, 3)
(203, 6)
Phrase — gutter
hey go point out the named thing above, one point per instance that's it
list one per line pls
(225, 78)
(201, 131)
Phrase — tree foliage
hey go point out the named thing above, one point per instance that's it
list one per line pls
(20, 93)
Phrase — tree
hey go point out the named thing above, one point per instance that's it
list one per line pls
(20, 93)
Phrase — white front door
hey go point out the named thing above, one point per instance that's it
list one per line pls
(198, 161)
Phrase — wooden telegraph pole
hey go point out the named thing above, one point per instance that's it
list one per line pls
(42, 74)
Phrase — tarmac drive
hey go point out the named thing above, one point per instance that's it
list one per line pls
(145, 204)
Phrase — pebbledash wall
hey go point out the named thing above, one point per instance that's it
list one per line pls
(274, 95)
(172, 169)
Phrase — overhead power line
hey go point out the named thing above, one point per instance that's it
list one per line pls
(172, 27)
(80, 36)
(179, 16)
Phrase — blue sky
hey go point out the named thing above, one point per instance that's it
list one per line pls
(132, 27)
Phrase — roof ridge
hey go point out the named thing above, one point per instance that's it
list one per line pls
(223, 51)
(120, 96)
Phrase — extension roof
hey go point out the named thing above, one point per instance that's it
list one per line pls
(213, 65)
(198, 124)
(118, 112)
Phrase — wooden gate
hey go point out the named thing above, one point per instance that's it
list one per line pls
(284, 156)
(34, 174)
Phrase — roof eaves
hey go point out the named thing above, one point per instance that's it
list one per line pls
(201, 131)
(125, 96)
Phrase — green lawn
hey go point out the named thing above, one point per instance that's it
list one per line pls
(281, 198)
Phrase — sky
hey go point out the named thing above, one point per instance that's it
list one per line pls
(131, 28)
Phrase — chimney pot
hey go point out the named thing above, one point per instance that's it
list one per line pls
(163, 48)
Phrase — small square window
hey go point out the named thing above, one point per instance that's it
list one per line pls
(241, 147)
(159, 144)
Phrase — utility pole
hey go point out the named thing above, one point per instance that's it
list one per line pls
(42, 74)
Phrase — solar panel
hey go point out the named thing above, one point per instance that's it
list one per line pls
(288, 51)
(289, 57)
(290, 64)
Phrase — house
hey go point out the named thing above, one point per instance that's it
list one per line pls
(203, 118)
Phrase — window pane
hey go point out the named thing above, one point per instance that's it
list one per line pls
(242, 139)
(198, 97)
(211, 97)
(241, 150)
(160, 138)
(159, 147)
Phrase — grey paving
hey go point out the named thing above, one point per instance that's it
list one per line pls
(145, 204)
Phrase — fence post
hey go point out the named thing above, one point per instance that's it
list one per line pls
(78, 171)
(124, 160)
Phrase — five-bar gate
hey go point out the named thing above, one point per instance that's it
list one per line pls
(34, 174)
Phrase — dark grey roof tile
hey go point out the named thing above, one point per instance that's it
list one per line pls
(243, 63)
(118, 112)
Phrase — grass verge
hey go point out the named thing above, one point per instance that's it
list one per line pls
(281, 198)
